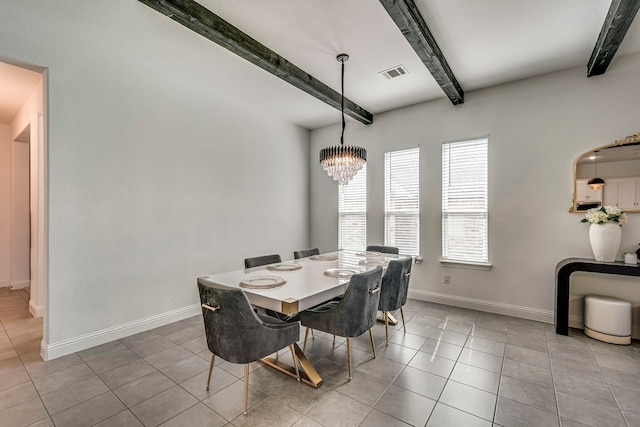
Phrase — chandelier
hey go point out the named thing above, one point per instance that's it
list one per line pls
(342, 162)
(596, 183)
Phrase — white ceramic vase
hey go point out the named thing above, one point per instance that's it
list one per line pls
(605, 240)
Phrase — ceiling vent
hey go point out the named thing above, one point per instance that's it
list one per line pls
(394, 72)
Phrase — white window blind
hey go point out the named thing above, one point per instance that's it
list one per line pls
(464, 201)
(402, 200)
(352, 212)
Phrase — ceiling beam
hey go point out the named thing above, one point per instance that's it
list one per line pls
(619, 18)
(408, 18)
(206, 23)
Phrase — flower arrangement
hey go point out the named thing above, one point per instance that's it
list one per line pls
(605, 214)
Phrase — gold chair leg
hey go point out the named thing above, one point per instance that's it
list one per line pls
(295, 361)
(386, 325)
(349, 356)
(246, 386)
(313, 337)
(403, 325)
(372, 344)
(213, 356)
(334, 340)
(306, 334)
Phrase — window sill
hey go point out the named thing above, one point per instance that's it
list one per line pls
(466, 264)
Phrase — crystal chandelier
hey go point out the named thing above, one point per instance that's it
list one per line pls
(342, 162)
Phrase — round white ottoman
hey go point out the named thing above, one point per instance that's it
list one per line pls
(607, 319)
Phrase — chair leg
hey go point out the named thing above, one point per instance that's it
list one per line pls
(403, 325)
(386, 325)
(246, 386)
(313, 337)
(213, 356)
(306, 334)
(349, 356)
(295, 361)
(372, 344)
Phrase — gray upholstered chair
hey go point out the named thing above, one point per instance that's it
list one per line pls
(351, 316)
(239, 335)
(395, 285)
(383, 249)
(303, 253)
(261, 260)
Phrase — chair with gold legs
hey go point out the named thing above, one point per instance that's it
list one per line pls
(237, 334)
(304, 253)
(395, 285)
(351, 316)
(383, 249)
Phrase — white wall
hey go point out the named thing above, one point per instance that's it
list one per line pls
(156, 173)
(5, 205)
(536, 127)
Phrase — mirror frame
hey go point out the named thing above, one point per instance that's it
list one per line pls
(631, 139)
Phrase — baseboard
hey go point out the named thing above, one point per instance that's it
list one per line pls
(36, 310)
(4, 283)
(20, 285)
(577, 322)
(82, 342)
(546, 316)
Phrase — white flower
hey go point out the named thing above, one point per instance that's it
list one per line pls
(605, 214)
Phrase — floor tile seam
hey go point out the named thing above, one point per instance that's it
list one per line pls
(591, 401)
(79, 403)
(615, 399)
(527, 381)
(169, 419)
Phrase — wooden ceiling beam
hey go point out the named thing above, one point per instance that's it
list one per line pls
(206, 23)
(412, 25)
(616, 24)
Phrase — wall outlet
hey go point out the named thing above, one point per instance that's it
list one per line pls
(446, 279)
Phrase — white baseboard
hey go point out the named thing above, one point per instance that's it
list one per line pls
(4, 283)
(578, 323)
(36, 310)
(20, 285)
(546, 316)
(82, 342)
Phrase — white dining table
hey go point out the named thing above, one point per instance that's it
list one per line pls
(307, 282)
(306, 286)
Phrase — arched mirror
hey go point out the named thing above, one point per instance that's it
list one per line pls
(608, 176)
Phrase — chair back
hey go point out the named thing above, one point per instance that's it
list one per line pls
(234, 332)
(303, 253)
(261, 260)
(383, 249)
(359, 306)
(395, 284)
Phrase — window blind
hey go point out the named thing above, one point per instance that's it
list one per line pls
(402, 200)
(352, 212)
(464, 201)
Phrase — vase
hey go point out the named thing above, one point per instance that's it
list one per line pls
(605, 240)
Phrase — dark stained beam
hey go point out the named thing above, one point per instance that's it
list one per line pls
(206, 23)
(616, 24)
(408, 18)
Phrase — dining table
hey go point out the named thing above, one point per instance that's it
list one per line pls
(289, 287)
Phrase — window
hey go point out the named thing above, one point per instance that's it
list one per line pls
(402, 200)
(352, 212)
(464, 202)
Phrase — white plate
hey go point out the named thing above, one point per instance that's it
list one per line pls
(340, 273)
(323, 257)
(262, 282)
(284, 267)
(369, 254)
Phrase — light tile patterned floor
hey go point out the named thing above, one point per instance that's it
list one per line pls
(453, 367)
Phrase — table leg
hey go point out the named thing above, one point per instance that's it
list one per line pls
(308, 374)
(392, 320)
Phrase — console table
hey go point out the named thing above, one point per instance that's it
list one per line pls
(566, 267)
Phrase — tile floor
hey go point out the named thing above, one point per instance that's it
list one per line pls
(454, 367)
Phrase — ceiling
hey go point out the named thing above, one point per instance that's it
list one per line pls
(486, 43)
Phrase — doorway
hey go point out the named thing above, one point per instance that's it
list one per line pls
(22, 185)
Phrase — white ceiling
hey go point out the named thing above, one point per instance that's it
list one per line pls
(486, 43)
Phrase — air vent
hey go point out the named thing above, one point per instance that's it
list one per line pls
(394, 72)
